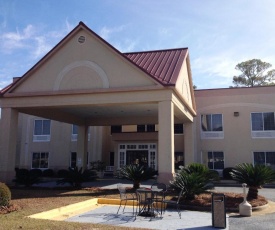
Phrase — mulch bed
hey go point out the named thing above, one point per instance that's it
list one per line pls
(8, 209)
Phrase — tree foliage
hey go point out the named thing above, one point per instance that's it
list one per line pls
(254, 176)
(254, 73)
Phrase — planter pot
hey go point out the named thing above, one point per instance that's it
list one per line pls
(100, 174)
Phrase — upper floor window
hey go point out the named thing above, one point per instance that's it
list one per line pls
(74, 133)
(263, 125)
(178, 128)
(116, 129)
(263, 121)
(212, 126)
(146, 128)
(42, 130)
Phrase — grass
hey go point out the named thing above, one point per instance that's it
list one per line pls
(28, 201)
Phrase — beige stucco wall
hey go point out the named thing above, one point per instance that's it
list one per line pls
(238, 145)
(183, 84)
(91, 65)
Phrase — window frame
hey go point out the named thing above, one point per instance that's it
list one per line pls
(259, 130)
(264, 158)
(178, 129)
(214, 161)
(43, 137)
(148, 128)
(212, 134)
(40, 159)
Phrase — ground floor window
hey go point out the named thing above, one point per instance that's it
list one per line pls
(264, 158)
(215, 160)
(40, 160)
(73, 159)
(179, 159)
(141, 153)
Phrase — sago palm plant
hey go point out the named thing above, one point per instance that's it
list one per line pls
(254, 176)
(194, 179)
(137, 173)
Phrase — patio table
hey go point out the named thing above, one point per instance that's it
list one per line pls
(145, 198)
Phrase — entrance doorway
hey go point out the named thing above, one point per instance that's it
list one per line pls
(144, 153)
(137, 157)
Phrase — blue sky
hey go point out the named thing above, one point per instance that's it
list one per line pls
(218, 33)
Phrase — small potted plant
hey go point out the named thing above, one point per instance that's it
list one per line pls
(99, 166)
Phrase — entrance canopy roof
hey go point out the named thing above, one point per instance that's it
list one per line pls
(84, 80)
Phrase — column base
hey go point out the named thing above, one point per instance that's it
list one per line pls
(7, 177)
(165, 177)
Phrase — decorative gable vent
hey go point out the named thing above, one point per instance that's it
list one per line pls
(81, 39)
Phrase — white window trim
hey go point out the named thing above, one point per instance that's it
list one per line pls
(41, 138)
(150, 148)
(220, 171)
(212, 134)
(261, 133)
(40, 158)
(264, 151)
(74, 136)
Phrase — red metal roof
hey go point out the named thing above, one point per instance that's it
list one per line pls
(164, 65)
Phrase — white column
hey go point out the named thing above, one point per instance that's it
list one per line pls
(82, 146)
(165, 141)
(8, 127)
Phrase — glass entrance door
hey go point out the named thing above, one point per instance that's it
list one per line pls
(137, 157)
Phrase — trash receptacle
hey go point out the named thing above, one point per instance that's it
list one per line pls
(218, 210)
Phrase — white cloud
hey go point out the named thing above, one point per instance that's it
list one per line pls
(42, 47)
(106, 32)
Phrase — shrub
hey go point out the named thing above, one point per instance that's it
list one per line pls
(48, 173)
(62, 173)
(36, 172)
(194, 179)
(137, 173)
(5, 195)
(26, 177)
(254, 176)
(76, 177)
(226, 173)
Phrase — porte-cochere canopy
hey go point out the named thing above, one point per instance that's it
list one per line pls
(85, 81)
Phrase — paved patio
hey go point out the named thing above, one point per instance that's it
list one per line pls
(106, 214)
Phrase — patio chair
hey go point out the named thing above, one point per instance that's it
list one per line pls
(159, 196)
(125, 197)
(166, 202)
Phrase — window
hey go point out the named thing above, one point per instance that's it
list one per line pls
(212, 126)
(211, 122)
(74, 129)
(73, 159)
(116, 129)
(263, 125)
(42, 130)
(179, 159)
(215, 160)
(40, 160)
(74, 133)
(178, 128)
(262, 121)
(146, 128)
(264, 158)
